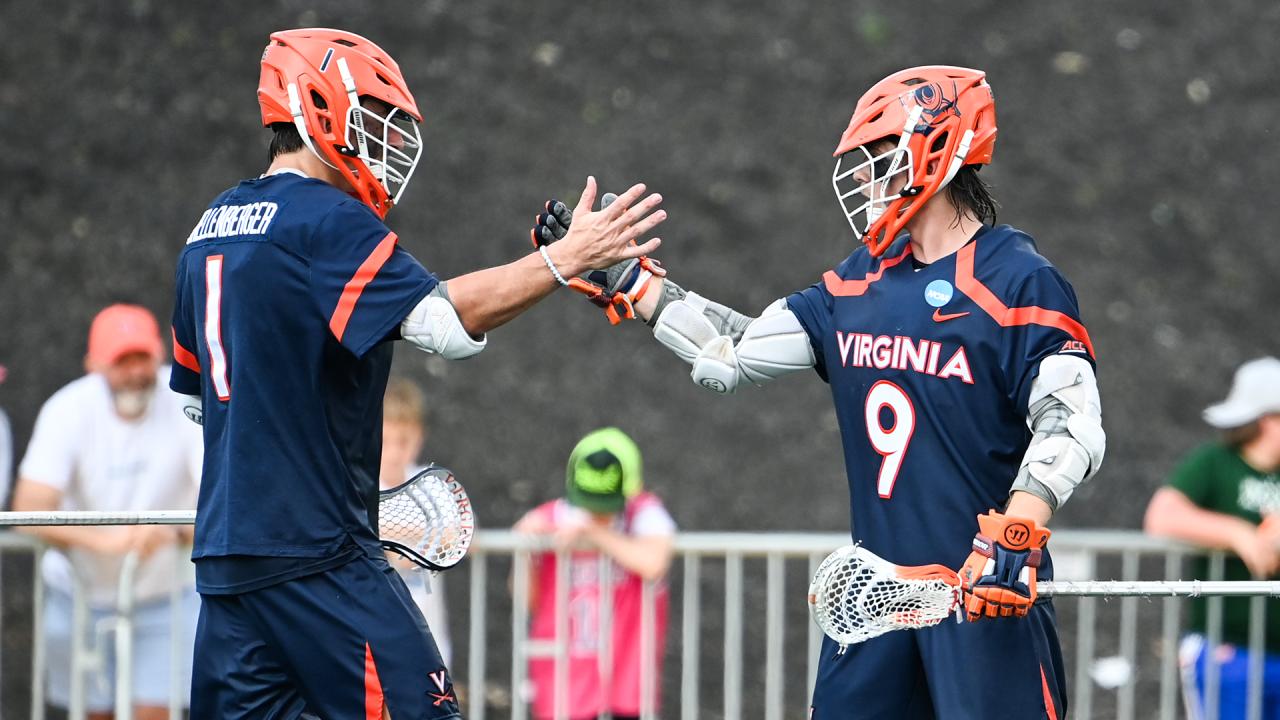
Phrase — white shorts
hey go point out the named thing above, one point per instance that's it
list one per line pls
(151, 646)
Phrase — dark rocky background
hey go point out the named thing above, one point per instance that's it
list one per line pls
(1135, 146)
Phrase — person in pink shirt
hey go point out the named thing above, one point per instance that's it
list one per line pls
(606, 509)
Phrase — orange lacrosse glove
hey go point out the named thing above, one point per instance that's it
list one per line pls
(999, 578)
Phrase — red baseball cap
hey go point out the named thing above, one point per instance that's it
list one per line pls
(122, 329)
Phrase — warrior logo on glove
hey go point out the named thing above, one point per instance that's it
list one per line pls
(999, 578)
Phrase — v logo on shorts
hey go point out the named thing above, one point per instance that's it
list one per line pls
(441, 679)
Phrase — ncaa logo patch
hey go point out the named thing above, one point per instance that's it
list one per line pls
(938, 293)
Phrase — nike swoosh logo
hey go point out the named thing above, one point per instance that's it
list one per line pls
(939, 317)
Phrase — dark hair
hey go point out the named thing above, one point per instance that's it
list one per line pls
(286, 140)
(1237, 437)
(968, 192)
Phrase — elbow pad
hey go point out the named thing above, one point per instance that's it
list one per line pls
(703, 333)
(433, 326)
(1068, 444)
(192, 407)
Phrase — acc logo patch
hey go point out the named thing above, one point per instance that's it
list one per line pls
(1074, 346)
(938, 293)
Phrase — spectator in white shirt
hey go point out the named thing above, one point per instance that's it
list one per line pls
(404, 430)
(116, 440)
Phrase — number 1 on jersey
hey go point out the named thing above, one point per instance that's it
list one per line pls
(213, 325)
(890, 442)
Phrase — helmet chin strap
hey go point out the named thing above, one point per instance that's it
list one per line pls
(961, 153)
(295, 109)
(357, 118)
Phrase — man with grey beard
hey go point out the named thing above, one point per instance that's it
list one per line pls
(115, 440)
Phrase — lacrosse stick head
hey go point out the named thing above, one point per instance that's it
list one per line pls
(856, 595)
(428, 519)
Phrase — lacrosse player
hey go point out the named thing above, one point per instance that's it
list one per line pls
(964, 385)
(288, 293)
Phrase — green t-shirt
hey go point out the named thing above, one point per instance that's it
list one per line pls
(1215, 477)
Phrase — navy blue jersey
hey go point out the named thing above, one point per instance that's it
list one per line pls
(286, 292)
(930, 369)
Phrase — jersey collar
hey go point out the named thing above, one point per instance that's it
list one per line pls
(295, 171)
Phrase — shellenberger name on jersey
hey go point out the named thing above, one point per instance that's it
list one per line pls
(230, 220)
(901, 353)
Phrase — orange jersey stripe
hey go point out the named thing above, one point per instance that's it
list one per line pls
(183, 356)
(849, 288)
(373, 698)
(1049, 709)
(351, 293)
(1005, 315)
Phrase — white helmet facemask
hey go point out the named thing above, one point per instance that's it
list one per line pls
(389, 145)
(878, 172)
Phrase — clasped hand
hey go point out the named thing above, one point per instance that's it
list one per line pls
(596, 240)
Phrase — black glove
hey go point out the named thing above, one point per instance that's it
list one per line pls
(551, 225)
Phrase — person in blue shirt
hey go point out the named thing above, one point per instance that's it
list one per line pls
(288, 295)
(964, 386)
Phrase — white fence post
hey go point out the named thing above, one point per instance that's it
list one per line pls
(733, 636)
(37, 635)
(1086, 608)
(774, 685)
(690, 637)
(177, 631)
(1128, 637)
(476, 659)
(1213, 668)
(560, 682)
(1257, 655)
(648, 652)
(519, 633)
(1169, 641)
(123, 628)
(815, 640)
(604, 630)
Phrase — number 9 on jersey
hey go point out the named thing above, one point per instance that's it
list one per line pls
(892, 441)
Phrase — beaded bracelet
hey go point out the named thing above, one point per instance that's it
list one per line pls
(551, 266)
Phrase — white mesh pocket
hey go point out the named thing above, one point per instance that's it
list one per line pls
(856, 595)
(428, 519)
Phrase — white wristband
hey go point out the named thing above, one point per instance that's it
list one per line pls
(551, 266)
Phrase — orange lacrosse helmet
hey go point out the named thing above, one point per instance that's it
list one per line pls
(940, 117)
(316, 79)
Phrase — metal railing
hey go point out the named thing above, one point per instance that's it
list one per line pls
(89, 650)
(1078, 555)
(1089, 626)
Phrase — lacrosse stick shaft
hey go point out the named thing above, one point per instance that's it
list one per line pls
(1179, 588)
(89, 517)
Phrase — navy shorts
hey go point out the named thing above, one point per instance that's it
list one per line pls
(339, 644)
(993, 669)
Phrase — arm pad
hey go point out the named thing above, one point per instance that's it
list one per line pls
(703, 334)
(433, 326)
(192, 407)
(1065, 415)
